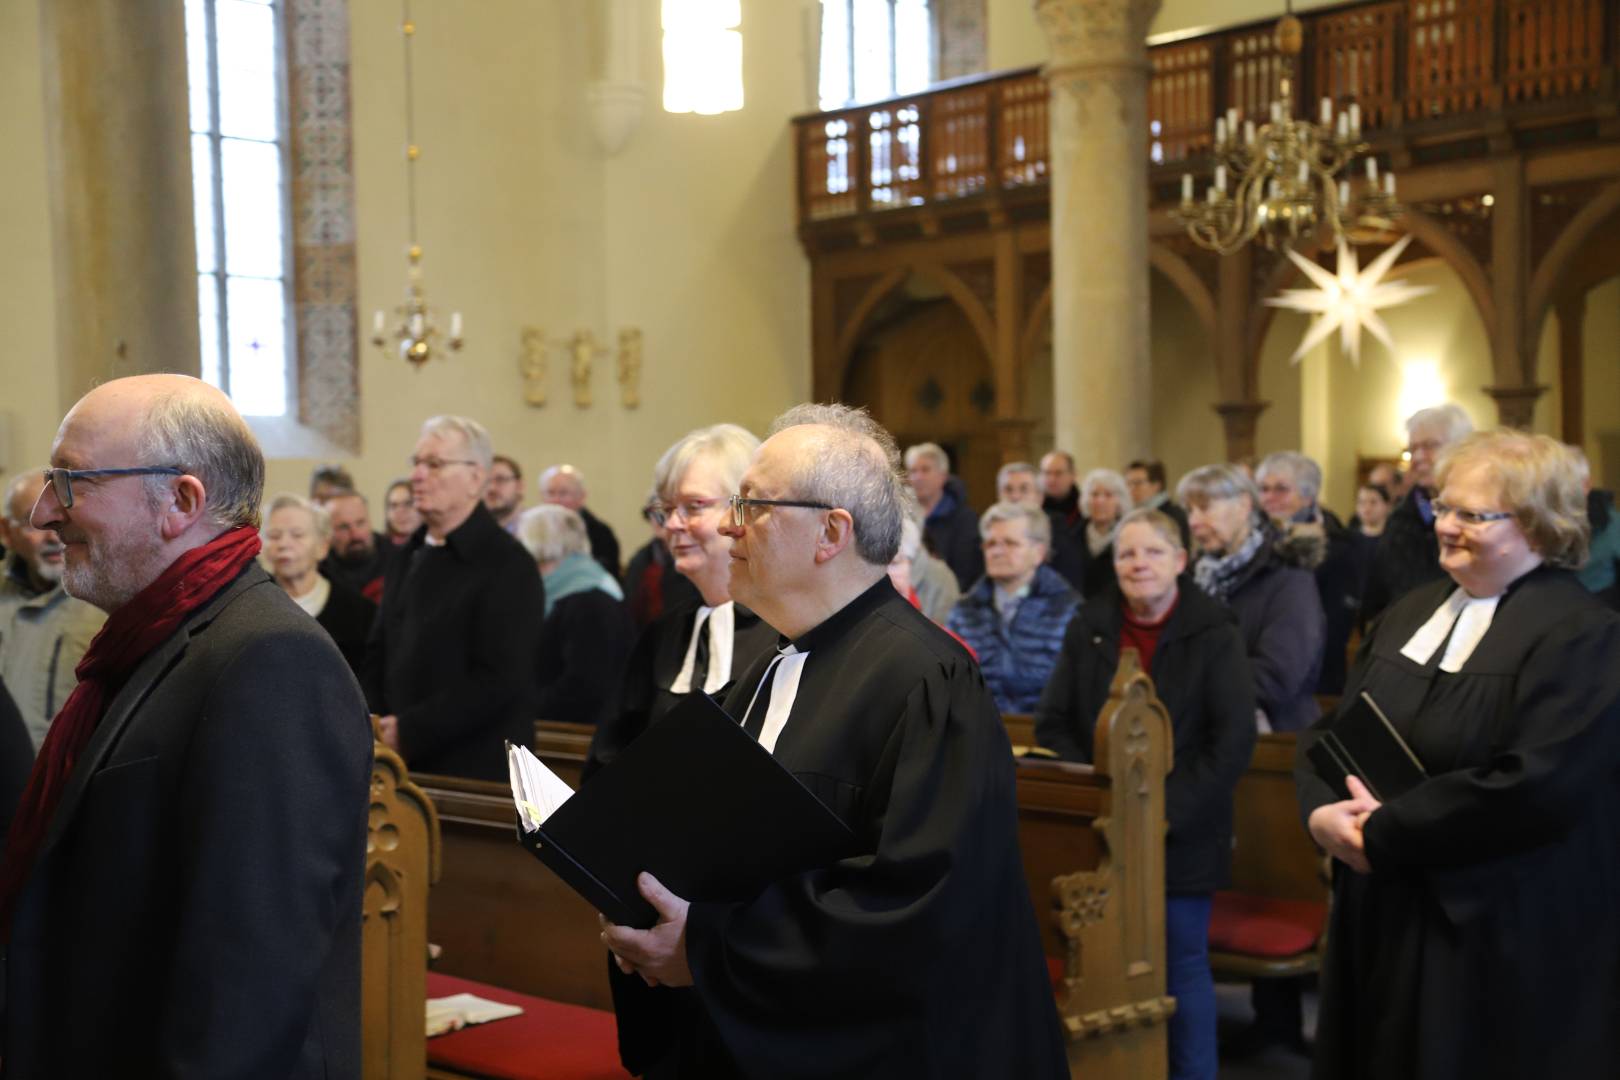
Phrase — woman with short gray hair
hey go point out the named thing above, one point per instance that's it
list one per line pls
(1242, 564)
(297, 535)
(1104, 499)
(585, 638)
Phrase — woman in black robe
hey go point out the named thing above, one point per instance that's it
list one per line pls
(1476, 922)
(701, 644)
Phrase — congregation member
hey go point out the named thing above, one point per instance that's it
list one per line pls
(1391, 479)
(587, 633)
(1149, 486)
(1014, 617)
(1601, 573)
(297, 534)
(1105, 498)
(878, 965)
(1373, 505)
(181, 887)
(399, 513)
(950, 527)
(652, 585)
(1018, 482)
(326, 481)
(504, 493)
(1475, 925)
(450, 664)
(1290, 486)
(564, 485)
(359, 557)
(1191, 648)
(1408, 554)
(700, 646)
(1059, 495)
(44, 632)
(1242, 565)
(918, 576)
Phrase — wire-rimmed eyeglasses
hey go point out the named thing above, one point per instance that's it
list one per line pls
(1471, 519)
(740, 507)
(61, 480)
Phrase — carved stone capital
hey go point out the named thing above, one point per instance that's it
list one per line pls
(1087, 33)
(1240, 419)
(1516, 405)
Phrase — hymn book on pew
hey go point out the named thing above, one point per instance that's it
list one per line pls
(695, 801)
(457, 1011)
(1364, 744)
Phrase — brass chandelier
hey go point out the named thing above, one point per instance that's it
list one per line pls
(415, 331)
(1288, 179)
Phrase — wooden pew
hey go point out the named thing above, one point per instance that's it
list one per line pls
(402, 861)
(1279, 891)
(1092, 839)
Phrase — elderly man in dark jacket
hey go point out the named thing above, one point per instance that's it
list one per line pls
(1014, 618)
(950, 525)
(450, 663)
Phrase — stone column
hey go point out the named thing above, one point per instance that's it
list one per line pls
(1100, 342)
(119, 159)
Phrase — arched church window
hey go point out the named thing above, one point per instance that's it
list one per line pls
(238, 150)
(874, 49)
(702, 56)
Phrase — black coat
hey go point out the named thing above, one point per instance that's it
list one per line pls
(1097, 577)
(953, 536)
(452, 651)
(1408, 555)
(347, 616)
(1280, 614)
(1486, 941)
(653, 586)
(365, 577)
(16, 761)
(584, 643)
(604, 545)
(1201, 673)
(195, 908)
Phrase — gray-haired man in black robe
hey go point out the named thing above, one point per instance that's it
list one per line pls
(919, 957)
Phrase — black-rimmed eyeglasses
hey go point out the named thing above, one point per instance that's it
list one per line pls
(740, 507)
(61, 480)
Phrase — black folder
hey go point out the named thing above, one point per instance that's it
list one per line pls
(1364, 744)
(698, 803)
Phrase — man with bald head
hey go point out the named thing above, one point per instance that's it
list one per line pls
(564, 485)
(180, 890)
(918, 954)
(43, 630)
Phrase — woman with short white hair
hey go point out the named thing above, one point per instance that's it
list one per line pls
(297, 534)
(1104, 499)
(585, 638)
(1475, 926)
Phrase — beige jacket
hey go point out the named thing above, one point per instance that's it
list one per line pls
(41, 641)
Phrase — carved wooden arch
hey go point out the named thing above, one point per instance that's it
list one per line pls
(1430, 233)
(1546, 278)
(1177, 270)
(955, 288)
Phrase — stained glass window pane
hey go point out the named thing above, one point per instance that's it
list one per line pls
(912, 39)
(208, 327)
(202, 197)
(197, 62)
(247, 67)
(252, 208)
(258, 354)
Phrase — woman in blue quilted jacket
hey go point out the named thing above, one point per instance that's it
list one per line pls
(1014, 616)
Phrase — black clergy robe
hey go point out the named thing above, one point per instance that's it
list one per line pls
(1486, 941)
(919, 956)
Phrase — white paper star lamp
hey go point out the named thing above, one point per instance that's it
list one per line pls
(1349, 300)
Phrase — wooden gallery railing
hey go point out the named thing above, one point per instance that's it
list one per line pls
(1422, 66)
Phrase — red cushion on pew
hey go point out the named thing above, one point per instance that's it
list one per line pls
(1263, 926)
(550, 1041)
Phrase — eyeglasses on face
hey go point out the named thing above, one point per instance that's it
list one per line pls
(433, 464)
(1471, 519)
(61, 480)
(661, 514)
(742, 509)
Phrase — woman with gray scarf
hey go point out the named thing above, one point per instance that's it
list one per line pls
(1244, 564)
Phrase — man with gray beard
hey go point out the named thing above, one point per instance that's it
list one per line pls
(43, 630)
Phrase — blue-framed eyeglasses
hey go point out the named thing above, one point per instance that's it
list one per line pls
(61, 480)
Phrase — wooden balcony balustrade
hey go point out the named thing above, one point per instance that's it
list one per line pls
(1419, 69)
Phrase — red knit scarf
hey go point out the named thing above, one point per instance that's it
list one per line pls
(126, 638)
